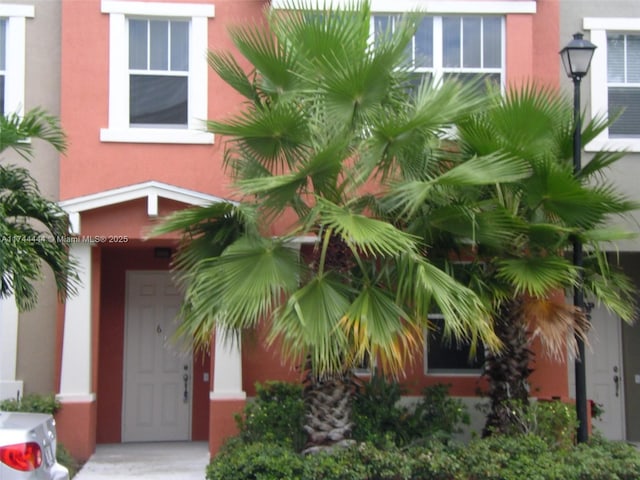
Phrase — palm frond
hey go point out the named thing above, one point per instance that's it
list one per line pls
(537, 276)
(368, 235)
(15, 131)
(227, 67)
(309, 324)
(556, 324)
(242, 286)
(273, 60)
(379, 328)
(428, 289)
(267, 132)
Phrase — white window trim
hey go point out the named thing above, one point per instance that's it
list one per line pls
(598, 28)
(430, 6)
(119, 129)
(15, 59)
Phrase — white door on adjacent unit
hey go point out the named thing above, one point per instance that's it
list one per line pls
(157, 373)
(604, 372)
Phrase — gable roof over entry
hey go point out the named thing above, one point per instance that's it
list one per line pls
(151, 190)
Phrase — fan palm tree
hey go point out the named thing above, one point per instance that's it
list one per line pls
(31, 226)
(328, 126)
(520, 233)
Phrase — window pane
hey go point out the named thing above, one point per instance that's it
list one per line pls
(615, 58)
(451, 41)
(159, 39)
(158, 100)
(633, 58)
(3, 43)
(424, 43)
(471, 42)
(627, 99)
(492, 42)
(480, 79)
(381, 27)
(138, 44)
(179, 46)
(450, 357)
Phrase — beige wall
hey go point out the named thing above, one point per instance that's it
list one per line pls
(37, 328)
(627, 171)
(626, 175)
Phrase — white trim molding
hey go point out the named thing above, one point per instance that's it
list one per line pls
(9, 386)
(427, 6)
(76, 371)
(598, 28)
(119, 129)
(15, 59)
(227, 369)
(152, 191)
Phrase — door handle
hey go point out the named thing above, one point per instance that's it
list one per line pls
(616, 380)
(185, 396)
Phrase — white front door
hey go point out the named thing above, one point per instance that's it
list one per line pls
(157, 373)
(604, 372)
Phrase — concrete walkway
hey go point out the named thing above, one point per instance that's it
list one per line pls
(151, 461)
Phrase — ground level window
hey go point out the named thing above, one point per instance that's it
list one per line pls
(448, 356)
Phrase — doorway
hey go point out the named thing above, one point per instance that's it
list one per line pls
(157, 377)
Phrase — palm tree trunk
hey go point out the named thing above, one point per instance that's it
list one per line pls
(328, 420)
(508, 371)
(328, 399)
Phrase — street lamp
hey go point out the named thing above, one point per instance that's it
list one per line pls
(576, 58)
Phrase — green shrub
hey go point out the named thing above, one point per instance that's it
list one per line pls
(505, 457)
(275, 416)
(256, 461)
(437, 414)
(32, 403)
(435, 461)
(376, 414)
(556, 422)
(517, 457)
(341, 464)
(379, 418)
(604, 460)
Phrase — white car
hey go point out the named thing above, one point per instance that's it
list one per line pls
(28, 447)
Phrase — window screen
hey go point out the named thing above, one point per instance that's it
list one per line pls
(623, 76)
(158, 68)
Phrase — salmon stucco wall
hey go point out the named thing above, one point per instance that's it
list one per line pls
(91, 165)
(532, 46)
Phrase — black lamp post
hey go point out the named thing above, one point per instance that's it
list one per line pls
(576, 58)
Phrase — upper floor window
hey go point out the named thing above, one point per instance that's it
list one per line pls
(623, 83)
(615, 81)
(157, 72)
(461, 46)
(13, 56)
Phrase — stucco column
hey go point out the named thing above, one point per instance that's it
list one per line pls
(75, 375)
(77, 416)
(9, 386)
(227, 396)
